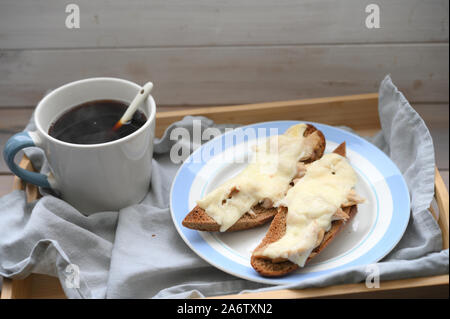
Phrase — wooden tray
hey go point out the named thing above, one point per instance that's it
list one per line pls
(356, 111)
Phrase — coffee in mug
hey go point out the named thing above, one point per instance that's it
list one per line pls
(92, 123)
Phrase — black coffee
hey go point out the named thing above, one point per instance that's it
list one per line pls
(92, 123)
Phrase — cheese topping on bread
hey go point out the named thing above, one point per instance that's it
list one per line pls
(312, 203)
(265, 180)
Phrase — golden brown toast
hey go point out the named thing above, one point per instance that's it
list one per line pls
(275, 268)
(198, 219)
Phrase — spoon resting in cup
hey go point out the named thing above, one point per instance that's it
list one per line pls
(138, 99)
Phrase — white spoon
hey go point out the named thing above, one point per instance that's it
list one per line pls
(138, 99)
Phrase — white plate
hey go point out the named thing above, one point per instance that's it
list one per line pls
(371, 235)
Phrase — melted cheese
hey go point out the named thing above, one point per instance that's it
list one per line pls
(271, 169)
(311, 204)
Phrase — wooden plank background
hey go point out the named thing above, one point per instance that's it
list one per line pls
(234, 75)
(247, 51)
(176, 23)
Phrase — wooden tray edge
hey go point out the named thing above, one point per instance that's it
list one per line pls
(340, 291)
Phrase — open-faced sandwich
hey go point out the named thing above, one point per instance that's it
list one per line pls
(309, 217)
(248, 199)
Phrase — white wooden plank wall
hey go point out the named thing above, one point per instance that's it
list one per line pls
(226, 75)
(223, 51)
(174, 23)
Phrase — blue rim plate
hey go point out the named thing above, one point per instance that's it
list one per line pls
(371, 235)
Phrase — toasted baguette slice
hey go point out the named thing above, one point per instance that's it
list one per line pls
(277, 229)
(198, 219)
(280, 267)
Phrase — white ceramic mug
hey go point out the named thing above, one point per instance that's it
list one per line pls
(93, 177)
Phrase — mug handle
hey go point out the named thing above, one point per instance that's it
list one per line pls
(15, 144)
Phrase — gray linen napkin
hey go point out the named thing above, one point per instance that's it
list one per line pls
(137, 252)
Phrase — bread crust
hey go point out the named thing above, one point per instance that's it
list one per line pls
(198, 219)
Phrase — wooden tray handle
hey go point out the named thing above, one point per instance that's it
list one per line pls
(441, 196)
